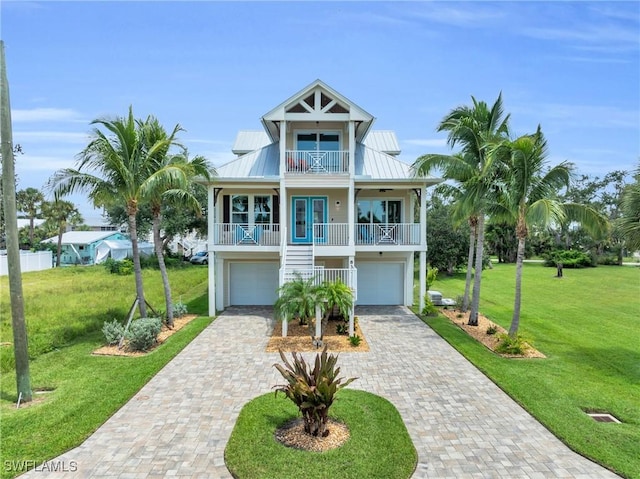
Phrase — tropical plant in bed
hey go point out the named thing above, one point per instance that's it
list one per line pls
(312, 389)
(298, 299)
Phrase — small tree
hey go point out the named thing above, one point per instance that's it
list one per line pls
(336, 295)
(313, 390)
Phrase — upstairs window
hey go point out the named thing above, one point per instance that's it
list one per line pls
(375, 211)
(318, 141)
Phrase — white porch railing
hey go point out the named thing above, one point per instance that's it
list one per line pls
(246, 235)
(317, 162)
(348, 276)
(387, 234)
(330, 234)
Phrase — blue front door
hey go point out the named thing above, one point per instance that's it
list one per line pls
(307, 211)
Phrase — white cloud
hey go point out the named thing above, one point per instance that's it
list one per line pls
(50, 136)
(26, 163)
(45, 114)
(435, 143)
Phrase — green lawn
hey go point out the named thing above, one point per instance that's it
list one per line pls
(588, 325)
(379, 446)
(65, 311)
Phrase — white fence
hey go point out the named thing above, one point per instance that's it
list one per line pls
(28, 261)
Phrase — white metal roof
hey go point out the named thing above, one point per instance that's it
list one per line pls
(25, 222)
(379, 165)
(250, 140)
(263, 162)
(82, 237)
(384, 141)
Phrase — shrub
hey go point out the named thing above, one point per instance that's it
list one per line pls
(122, 268)
(179, 309)
(432, 274)
(355, 340)
(143, 333)
(509, 345)
(429, 308)
(491, 330)
(312, 390)
(569, 259)
(113, 331)
(342, 328)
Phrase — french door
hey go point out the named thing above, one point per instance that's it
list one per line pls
(307, 211)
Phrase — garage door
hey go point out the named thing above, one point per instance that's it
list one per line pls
(253, 283)
(380, 283)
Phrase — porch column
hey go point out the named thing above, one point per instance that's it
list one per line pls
(283, 188)
(351, 215)
(352, 149)
(423, 246)
(212, 283)
(212, 260)
(354, 285)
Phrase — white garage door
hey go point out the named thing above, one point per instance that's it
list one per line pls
(253, 283)
(380, 283)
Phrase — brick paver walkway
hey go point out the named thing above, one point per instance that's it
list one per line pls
(460, 422)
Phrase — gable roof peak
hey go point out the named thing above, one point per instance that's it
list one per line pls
(317, 102)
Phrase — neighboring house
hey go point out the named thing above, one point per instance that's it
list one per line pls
(320, 193)
(79, 247)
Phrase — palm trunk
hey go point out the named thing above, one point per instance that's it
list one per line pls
(158, 245)
(515, 321)
(31, 232)
(137, 268)
(467, 284)
(18, 324)
(477, 277)
(59, 249)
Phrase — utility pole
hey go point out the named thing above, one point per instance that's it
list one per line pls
(13, 251)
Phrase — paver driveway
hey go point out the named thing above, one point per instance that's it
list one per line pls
(461, 423)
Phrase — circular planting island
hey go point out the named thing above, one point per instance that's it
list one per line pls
(367, 438)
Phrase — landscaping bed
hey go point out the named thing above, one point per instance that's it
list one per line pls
(479, 333)
(299, 339)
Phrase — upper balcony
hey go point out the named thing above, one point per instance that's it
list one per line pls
(324, 235)
(299, 162)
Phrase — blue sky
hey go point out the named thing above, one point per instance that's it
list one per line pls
(217, 67)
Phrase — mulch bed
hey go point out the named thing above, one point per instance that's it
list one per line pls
(292, 434)
(165, 332)
(299, 339)
(479, 333)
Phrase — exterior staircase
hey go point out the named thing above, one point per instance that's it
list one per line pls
(298, 259)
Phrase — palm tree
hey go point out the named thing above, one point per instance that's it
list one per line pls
(175, 175)
(112, 169)
(474, 128)
(30, 202)
(629, 223)
(59, 214)
(530, 197)
(336, 295)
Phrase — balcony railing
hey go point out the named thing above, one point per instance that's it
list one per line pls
(317, 162)
(331, 234)
(324, 234)
(388, 234)
(246, 235)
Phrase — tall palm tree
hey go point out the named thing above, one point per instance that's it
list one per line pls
(474, 128)
(112, 170)
(530, 197)
(30, 202)
(60, 214)
(629, 223)
(175, 175)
